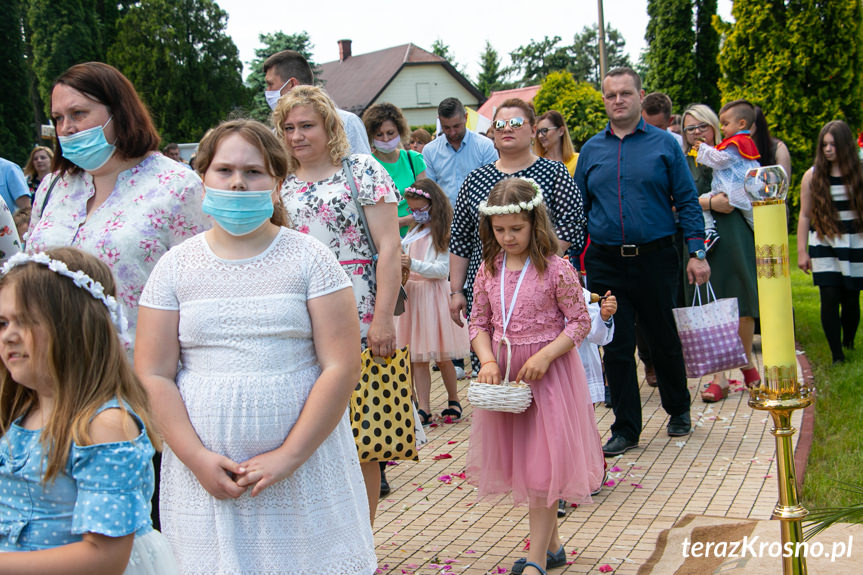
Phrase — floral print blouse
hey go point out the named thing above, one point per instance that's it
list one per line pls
(326, 211)
(9, 242)
(153, 207)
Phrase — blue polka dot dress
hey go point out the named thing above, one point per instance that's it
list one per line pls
(104, 489)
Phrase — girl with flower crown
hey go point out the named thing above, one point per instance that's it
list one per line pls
(426, 325)
(76, 475)
(528, 318)
(515, 127)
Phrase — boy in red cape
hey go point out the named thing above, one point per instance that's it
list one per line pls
(731, 159)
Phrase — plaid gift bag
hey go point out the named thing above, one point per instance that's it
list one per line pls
(708, 334)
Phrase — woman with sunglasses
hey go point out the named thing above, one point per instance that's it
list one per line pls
(553, 141)
(732, 260)
(514, 123)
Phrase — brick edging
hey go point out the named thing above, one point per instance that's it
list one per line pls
(804, 443)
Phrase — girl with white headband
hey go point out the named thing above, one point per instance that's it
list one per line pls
(528, 317)
(426, 325)
(76, 475)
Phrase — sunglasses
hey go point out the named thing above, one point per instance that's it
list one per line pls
(544, 131)
(696, 128)
(513, 123)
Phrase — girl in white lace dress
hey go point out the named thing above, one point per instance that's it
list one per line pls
(260, 473)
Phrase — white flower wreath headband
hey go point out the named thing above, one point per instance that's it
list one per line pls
(80, 279)
(516, 208)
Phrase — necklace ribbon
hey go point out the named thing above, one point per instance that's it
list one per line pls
(503, 311)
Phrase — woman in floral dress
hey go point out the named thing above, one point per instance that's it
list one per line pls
(112, 193)
(318, 199)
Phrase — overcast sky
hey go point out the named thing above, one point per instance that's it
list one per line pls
(382, 24)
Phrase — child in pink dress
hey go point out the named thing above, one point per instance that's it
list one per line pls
(529, 298)
(426, 325)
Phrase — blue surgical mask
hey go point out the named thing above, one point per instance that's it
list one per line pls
(273, 96)
(421, 216)
(238, 212)
(88, 149)
(387, 147)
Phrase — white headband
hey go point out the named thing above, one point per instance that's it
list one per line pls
(488, 210)
(82, 280)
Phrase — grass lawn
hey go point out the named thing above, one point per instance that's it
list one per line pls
(837, 454)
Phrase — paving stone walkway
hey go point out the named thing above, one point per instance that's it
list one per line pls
(431, 522)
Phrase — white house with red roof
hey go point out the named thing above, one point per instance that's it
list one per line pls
(413, 79)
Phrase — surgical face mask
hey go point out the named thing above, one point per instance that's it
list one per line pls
(421, 216)
(387, 147)
(273, 96)
(88, 149)
(238, 212)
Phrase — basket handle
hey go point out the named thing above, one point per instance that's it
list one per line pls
(505, 340)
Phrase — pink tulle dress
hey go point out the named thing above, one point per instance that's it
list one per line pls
(426, 324)
(551, 451)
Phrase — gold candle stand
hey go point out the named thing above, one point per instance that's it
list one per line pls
(780, 392)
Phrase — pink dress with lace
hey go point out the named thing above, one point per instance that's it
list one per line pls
(551, 451)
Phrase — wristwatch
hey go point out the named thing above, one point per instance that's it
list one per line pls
(700, 254)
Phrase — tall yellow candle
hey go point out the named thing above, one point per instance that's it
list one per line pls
(774, 295)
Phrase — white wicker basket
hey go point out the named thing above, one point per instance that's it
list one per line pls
(509, 397)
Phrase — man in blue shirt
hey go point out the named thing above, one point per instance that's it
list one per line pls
(633, 176)
(450, 159)
(13, 186)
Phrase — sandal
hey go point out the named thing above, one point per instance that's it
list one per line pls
(425, 418)
(519, 566)
(453, 411)
(552, 560)
(715, 392)
(751, 377)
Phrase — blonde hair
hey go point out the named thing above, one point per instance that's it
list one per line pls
(543, 241)
(85, 359)
(261, 137)
(29, 168)
(702, 113)
(323, 106)
(566, 148)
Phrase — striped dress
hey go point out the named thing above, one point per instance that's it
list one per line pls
(838, 261)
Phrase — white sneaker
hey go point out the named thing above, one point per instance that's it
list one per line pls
(459, 373)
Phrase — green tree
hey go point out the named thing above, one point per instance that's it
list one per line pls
(442, 50)
(445, 52)
(585, 53)
(532, 63)
(16, 115)
(801, 63)
(706, 54)
(491, 75)
(579, 102)
(272, 43)
(63, 33)
(670, 57)
(181, 61)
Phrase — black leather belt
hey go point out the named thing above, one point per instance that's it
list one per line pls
(632, 250)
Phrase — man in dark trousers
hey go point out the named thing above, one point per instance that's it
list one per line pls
(633, 176)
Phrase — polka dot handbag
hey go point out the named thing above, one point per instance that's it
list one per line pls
(382, 414)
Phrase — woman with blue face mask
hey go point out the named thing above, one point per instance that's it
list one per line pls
(258, 316)
(111, 193)
(387, 128)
